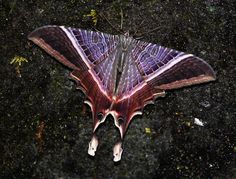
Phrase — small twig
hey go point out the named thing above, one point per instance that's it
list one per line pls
(39, 135)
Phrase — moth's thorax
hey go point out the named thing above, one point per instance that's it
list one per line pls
(124, 48)
(126, 41)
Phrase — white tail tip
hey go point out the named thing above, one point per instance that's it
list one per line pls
(93, 144)
(117, 152)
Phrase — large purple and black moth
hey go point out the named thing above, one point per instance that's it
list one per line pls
(119, 74)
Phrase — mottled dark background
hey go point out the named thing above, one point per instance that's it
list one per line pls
(44, 96)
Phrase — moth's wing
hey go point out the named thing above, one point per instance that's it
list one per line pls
(90, 54)
(132, 95)
(165, 68)
(152, 69)
(57, 41)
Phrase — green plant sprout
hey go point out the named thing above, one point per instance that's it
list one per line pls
(147, 130)
(93, 15)
(18, 61)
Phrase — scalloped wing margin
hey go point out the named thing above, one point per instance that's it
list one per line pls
(162, 69)
(151, 70)
(84, 52)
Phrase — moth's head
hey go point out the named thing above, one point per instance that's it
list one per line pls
(126, 40)
(126, 34)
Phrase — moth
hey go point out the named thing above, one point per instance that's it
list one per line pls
(118, 74)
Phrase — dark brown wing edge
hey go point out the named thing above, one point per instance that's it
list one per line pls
(189, 71)
(55, 41)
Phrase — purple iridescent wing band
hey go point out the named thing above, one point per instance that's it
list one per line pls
(91, 55)
(119, 74)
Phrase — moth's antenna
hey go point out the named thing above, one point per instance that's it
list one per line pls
(102, 16)
(136, 31)
(121, 19)
(157, 28)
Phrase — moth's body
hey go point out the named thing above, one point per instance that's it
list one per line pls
(125, 46)
(118, 74)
